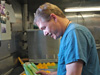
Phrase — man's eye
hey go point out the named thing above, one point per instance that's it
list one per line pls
(43, 28)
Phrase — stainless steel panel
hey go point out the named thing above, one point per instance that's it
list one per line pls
(6, 64)
(8, 46)
(4, 50)
(8, 54)
(42, 47)
(13, 45)
(89, 19)
(17, 26)
(43, 60)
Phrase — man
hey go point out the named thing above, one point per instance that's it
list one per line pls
(77, 53)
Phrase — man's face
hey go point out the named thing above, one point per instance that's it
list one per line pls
(50, 28)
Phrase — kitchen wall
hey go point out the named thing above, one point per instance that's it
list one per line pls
(9, 48)
(23, 40)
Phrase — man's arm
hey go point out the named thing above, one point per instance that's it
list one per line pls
(74, 68)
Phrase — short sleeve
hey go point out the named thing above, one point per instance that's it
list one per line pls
(76, 47)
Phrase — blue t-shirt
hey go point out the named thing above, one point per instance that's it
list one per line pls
(78, 43)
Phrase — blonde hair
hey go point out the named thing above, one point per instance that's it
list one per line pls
(45, 10)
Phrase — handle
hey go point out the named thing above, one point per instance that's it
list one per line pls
(20, 61)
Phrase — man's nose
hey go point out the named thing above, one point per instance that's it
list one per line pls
(40, 28)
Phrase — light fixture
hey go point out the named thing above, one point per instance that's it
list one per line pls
(82, 9)
(75, 16)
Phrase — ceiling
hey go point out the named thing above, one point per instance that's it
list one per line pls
(34, 4)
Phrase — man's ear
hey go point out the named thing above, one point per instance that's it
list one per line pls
(52, 15)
